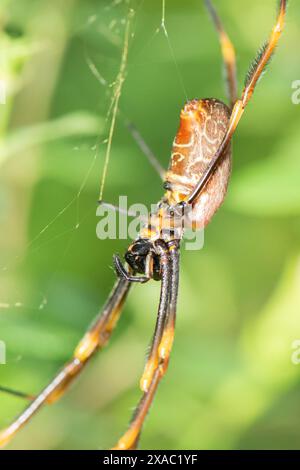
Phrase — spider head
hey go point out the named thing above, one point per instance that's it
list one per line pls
(137, 255)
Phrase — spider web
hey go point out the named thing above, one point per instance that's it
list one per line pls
(123, 28)
(34, 244)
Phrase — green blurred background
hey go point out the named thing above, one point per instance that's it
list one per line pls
(231, 383)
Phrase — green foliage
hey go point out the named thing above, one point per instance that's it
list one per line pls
(231, 382)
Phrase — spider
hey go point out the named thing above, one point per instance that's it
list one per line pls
(195, 187)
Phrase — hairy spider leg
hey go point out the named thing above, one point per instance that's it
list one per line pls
(95, 338)
(158, 360)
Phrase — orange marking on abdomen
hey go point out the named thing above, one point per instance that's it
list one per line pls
(203, 124)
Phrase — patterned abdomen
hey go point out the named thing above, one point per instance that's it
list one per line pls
(203, 124)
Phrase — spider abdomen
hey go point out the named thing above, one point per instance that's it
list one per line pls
(203, 124)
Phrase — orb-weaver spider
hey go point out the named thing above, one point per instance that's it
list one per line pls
(197, 178)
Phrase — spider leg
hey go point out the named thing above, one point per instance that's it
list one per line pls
(95, 338)
(130, 126)
(158, 360)
(122, 211)
(16, 393)
(115, 208)
(145, 148)
(123, 273)
(255, 72)
(228, 53)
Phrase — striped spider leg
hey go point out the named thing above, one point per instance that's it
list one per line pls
(254, 74)
(95, 338)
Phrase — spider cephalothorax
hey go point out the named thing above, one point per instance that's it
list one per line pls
(141, 256)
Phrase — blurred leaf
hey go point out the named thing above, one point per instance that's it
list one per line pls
(36, 339)
(265, 350)
(75, 124)
(230, 369)
(269, 186)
